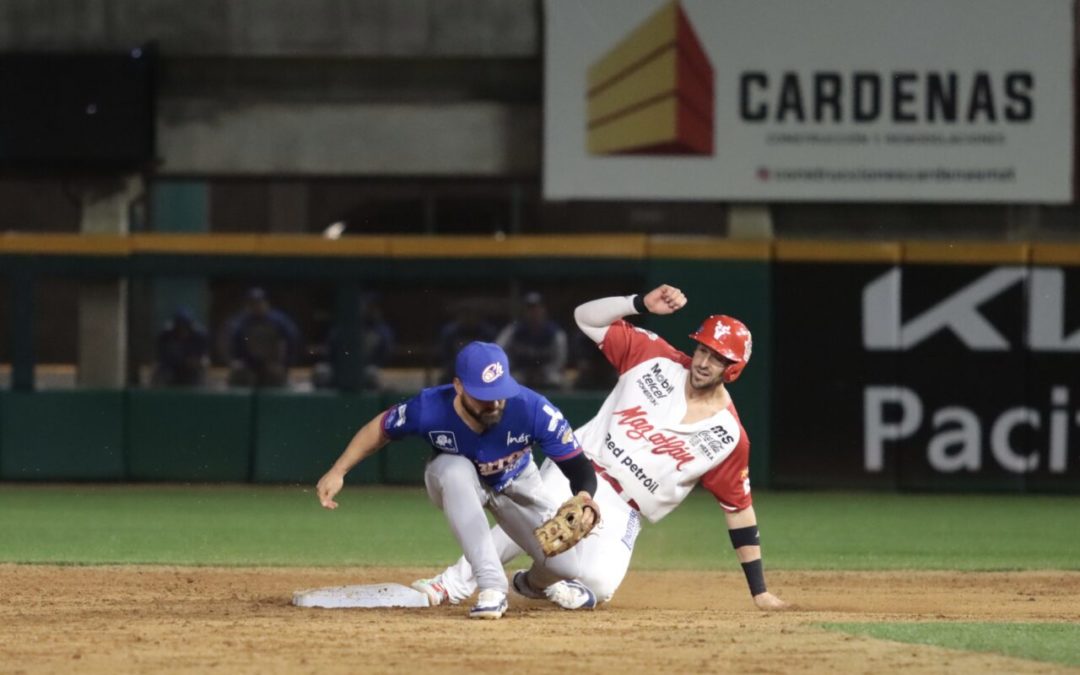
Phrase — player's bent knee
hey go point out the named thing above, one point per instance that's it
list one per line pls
(450, 470)
(448, 474)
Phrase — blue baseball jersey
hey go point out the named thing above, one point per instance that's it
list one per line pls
(499, 453)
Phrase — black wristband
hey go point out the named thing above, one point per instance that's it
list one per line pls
(639, 304)
(755, 576)
(745, 536)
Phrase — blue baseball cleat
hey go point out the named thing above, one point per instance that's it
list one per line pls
(571, 594)
(491, 604)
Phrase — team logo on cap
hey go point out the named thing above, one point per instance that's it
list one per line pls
(492, 373)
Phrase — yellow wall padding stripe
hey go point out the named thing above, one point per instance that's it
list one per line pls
(619, 246)
(1055, 254)
(966, 253)
(704, 248)
(61, 244)
(569, 246)
(266, 245)
(831, 251)
(631, 246)
(321, 246)
(197, 244)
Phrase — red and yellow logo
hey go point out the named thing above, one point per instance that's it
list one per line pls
(652, 93)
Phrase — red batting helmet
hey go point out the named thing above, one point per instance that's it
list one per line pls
(729, 338)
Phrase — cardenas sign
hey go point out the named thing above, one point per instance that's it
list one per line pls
(809, 100)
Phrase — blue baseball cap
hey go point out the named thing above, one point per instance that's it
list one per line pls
(484, 371)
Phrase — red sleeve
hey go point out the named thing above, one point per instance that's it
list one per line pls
(730, 481)
(626, 345)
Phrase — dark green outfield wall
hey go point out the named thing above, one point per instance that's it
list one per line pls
(193, 436)
(856, 380)
(68, 435)
(280, 437)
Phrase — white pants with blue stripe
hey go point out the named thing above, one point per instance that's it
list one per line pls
(602, 559)
(454, 486)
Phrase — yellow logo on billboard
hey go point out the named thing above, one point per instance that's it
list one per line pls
(652, 93)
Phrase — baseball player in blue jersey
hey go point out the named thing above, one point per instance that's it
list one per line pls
(482, 428)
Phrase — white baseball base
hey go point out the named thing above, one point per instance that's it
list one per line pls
(370, 595)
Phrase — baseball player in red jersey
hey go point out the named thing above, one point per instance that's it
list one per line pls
(668, 425)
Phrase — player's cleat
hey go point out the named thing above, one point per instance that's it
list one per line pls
(571, 595)
(434, 589)
(522, 587)
(491, 604)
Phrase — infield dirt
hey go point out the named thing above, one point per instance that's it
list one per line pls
(240, 620)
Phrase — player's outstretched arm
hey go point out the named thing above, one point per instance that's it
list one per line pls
(366, 441)
(594, 317)
(742, 528)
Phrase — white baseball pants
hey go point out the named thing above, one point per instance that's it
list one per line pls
(454, 486)
(604, 555)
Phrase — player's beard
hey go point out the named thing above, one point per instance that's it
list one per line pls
(486, 418)
(701, 383)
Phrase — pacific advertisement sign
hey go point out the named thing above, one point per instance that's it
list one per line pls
(927, 376)
(921, 100)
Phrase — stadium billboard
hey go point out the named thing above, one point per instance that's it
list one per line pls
(923, 100)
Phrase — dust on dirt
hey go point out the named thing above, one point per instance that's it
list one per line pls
(241, 620)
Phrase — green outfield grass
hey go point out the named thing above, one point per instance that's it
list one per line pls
(272, 525)
(1056, 642)
(873, 530)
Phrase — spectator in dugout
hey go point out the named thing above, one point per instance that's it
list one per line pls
(262, 343)
(536, 346)
(182, 352)
(372, 342)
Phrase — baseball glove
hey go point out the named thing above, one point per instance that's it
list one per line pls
(569, 525)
